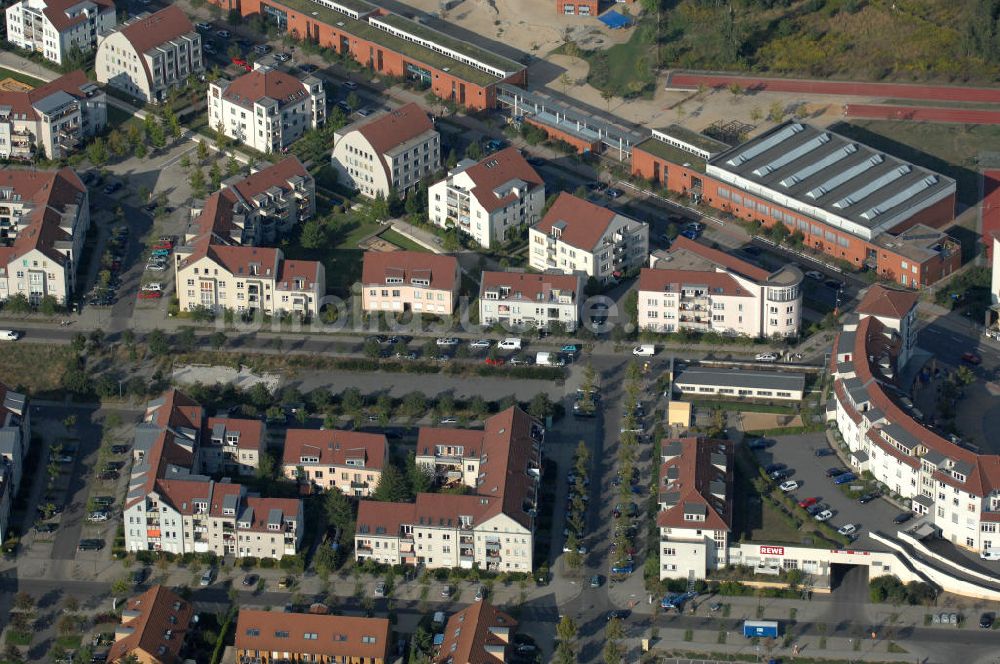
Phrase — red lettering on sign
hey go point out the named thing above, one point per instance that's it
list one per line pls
(772, 550)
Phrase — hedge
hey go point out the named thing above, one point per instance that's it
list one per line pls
(786, 431)
(220, 642)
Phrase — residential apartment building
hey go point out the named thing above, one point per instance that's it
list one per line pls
(266, 109)
(955, 489)
(409, 281)
(350, 461)
(170, 506)
(393, 45)
(697, 288)
(492, 526)
(44, 217)
(15, 436)
(52, 120)
(154, 627)
(388, 153)
(478, 633)
(232, 446)
(519, 300)
(219, 267)
(695, 495)
(577, 236)
(490, 200)
(831, 193)
(150, 54)
(271, 637)
(59, 28)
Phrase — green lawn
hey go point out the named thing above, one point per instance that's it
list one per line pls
(624, 69)
(401, 241)
(34, 82)
(949, 149)
(341, 256)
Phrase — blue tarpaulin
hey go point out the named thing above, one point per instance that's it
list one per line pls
(614, 20)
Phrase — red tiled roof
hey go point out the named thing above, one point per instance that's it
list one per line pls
(238, 260)
(55, 11)
(378, 518)
(23, 102)
(469, 633)
(334, 447)
(159, 610)
(497, 170)
(149, 32)
(721, 258)
(289, 507)
(441, 270)
(583, 222)
(887, 302)
(692, 478)
(307, 272)
(529, 286)
(265, 83)
(396, 127)
(336, 637)
(251, 431)
(275, 175)
(175, 409)
(49, 192)
(671, 281)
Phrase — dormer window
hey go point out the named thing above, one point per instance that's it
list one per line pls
(232, 437)
(393, 280)
(308, 459)
(242, 524)
(420, 282)
(274, 526)
(228, 511)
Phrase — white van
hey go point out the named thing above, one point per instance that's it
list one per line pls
(990, 554)
(9, 335)
(510, 343)
(543, 359)
(646, 350)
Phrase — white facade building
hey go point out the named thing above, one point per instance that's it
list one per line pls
(520, 299)
(57, 28)
(492, 527)
(954, 488)
(577, 236)
(488, 200)
(698, 288)
(391, 152)
(53, 120)
(695, 495)
(44, 217)
(150, 54)
(266, 109)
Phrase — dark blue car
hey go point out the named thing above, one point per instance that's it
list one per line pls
(845, 478)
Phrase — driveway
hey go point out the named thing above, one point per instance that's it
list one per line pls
(798, 452)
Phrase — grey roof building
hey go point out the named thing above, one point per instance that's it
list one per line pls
(741, 383)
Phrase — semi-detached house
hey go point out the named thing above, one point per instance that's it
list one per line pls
(272, 637)
(57, 28)
(389, 153)
(489, 200)
(350, 461)
(409, 281)
(578, 236)
(522, 299)
(492, 527)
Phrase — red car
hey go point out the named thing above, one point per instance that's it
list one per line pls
(240, 62)
(169, 246)
(495, 361)
(150, 295)
(808, 502)
(971, 358)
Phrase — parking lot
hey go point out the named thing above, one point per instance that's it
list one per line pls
(799, 454)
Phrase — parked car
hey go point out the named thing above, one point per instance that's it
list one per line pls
(760, 443)
(867, 498)
(903, 517)
(250, 580)
(223, 34)
(825, 515)
(971, 358)
(446, 341)
(481, 343)
(98, 517)
(46, 528)
(480, 593)
(824, 451)
(815, 274)
(446, 592)
(833, 283)
(90, 545)
(986, 620)
(308, 68)
(595, 581)
(646, 350)
(775, 467)
(282, 57)
(789, 485)
(285, 582)
(109, 475)
(207, 577)
(691, 235)
(614, 193)
(495, 361)
(847, 529)
(150, 295)
(813, 510)
(845, 478)
(112, 187)
(808, 502)
(203, 26)
(766, 357)
(570, 348)
(104, 501)
(350, 85)
(835, 472)
(262, 49)
(139, 576)
(380, 589)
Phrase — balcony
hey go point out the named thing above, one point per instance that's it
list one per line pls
(364, 549)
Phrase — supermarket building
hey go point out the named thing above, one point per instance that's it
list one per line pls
(393, 45)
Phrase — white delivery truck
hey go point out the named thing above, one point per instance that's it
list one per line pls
(543, 359)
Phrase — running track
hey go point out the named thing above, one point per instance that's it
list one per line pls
(691, 81)
(991, 207)
(921, 114)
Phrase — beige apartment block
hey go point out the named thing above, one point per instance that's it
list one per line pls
(522, 299)
(59, 28)
(350, 461)
(409, 281)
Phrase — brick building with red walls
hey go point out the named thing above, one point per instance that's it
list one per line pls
(845, 199)
(581, 143)
(393, 45)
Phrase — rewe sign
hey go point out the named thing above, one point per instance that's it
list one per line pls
(772, 550)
